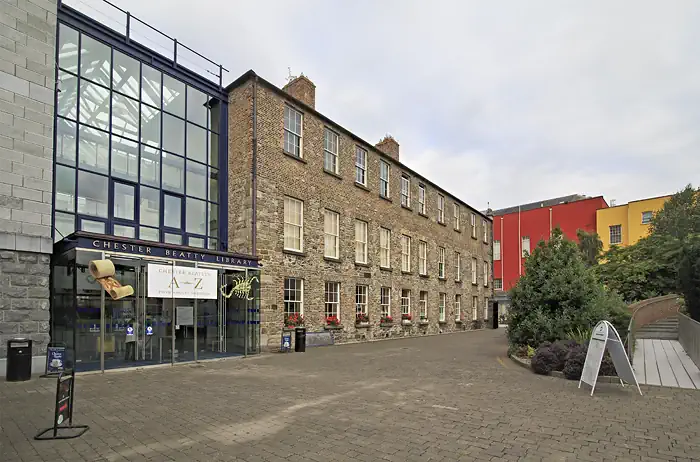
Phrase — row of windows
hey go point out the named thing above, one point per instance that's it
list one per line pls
(293, 129)
(525, 248)
(294, 241)
(294, 302)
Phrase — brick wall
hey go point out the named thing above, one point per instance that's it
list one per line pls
(27, 72)
(280, 175)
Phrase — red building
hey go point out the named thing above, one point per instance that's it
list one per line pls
(517, 230)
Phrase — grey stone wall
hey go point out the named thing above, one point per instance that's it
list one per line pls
(27, 87)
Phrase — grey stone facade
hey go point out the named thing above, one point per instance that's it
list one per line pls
(280, 174)
(27, 88)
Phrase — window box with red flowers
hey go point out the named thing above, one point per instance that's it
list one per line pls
(406, 318)
(293, 320)
(333, 323)
(386, 321)
(423, 321)
(362, 320)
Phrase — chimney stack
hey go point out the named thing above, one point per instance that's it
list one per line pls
(388, 145)
(302, 89)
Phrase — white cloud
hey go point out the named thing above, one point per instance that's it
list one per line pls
(503, 102)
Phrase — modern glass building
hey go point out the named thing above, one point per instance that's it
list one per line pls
(140, 179)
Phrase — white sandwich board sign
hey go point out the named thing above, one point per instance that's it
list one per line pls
(605, 336)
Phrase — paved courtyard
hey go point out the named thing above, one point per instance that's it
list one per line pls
(451, 397)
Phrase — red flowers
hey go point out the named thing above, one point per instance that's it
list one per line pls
(361, 318)
(332, 321)
(293, 320)
(386, 320)
(406, 316)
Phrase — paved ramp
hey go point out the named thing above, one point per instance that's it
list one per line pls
(664, 363)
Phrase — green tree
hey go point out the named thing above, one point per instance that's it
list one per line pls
(646, 269)
(680, 215)
(590, 246)
(557, 294)
(689, 275)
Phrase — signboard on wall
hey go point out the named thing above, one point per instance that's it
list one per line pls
(165, 281)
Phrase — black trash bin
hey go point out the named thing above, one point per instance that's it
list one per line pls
(19, 360)
(300, 339)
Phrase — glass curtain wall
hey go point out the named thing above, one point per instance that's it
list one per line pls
(137, 151)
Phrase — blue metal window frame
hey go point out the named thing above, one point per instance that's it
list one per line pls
(84, 24)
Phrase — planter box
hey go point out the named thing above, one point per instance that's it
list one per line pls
(386, 324)
(423, 323)
(362, 325)
(406, 322)
(329, 327)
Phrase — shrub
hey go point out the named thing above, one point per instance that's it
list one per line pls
(574, 362)
(560, 350)
(544, 360)
(607, 367)
(578, 335)
(530, 351)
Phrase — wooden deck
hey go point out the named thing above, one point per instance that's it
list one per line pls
(665, 363)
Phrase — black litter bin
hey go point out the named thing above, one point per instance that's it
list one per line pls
(300, 339)
(19, 360)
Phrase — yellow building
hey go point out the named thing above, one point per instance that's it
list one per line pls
(626, 224)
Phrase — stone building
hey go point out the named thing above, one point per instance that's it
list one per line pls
(343, 228)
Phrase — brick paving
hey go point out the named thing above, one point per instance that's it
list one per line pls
(443, 398)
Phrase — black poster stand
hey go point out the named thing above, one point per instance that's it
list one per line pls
(65, 388)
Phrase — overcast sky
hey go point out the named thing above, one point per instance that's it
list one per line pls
(500, 102)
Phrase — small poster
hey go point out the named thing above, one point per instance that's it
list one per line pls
(185, 316)
(55, 359)
(63, 404)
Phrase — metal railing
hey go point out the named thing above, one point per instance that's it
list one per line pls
(649, 311)
(128, 25)
(689, 337)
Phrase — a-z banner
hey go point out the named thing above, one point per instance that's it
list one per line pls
(604, 337)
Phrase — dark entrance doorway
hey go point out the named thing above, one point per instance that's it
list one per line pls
(494, 317)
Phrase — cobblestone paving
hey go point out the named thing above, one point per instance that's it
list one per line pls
(450, 397)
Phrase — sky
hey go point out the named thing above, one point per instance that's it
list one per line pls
(499, 102)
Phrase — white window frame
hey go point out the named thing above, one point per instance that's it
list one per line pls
(423, 302)
(299, 290)
(442, 316)
(331, 288)
(290, 222)
(293, 131)
(484, 224)
(473, 225)
(475, 303)
(360, 166)
(474, 269)
(458, 266)
(496, 250)
(619, 234)
(441, 208)
(486, 274)
(331, 232)
(498, 284)
(331, 146)
(525, 249)
(385, 301)
(649, 214)
(405, 301)
(405, 253)
(361, 298)
(441, 262)
(422, 258)
(384, 189)
(421, 199)
(405, 191)
(361, 237)
(486, 309)
(458, 307)
(384, 248)
(456, 212)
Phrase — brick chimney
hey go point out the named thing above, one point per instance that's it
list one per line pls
(302, 89)
(388, 145)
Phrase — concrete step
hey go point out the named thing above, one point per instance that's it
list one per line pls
(658, 327)
(657, 335)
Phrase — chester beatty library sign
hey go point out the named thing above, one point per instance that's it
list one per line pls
(166, 252)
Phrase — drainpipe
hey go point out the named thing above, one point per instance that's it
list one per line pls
(254, 167)
(550, 222)
(503, 261)
(520, 247)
